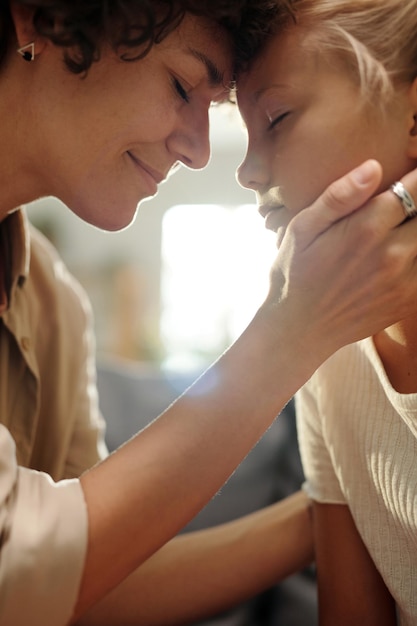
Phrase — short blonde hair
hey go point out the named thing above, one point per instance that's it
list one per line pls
(377, 39)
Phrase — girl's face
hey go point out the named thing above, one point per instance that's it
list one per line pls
(104, 142)
(307, 126)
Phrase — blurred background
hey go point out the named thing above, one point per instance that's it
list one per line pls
(169, 295)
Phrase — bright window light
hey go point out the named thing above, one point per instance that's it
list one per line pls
(215, 273)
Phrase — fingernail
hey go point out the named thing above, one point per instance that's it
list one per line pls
(364, 173)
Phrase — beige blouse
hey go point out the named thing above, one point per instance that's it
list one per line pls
(50, 428)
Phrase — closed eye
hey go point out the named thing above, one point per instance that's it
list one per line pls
(277, 120)
(181, 92)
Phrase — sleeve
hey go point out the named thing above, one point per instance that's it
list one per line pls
(43, 541)
(70, 346)
(87, 445)
(321, 482)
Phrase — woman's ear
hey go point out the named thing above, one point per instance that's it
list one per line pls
(27, 38)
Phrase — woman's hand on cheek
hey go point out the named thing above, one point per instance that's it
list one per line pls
(345, 273)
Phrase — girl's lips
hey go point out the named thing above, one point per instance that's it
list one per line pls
(270, 214)
(265, 209)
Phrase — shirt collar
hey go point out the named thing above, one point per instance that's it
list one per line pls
(14, 255)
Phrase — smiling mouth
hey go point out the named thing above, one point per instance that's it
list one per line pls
(154, 174)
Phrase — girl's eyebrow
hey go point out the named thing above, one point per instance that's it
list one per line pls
(261, 92)
(214, 75)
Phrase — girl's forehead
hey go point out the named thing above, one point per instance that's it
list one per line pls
(279, 62)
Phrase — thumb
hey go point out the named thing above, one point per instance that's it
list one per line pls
(343, 197)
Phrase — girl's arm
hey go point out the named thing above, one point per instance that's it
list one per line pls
(351, 590)
(202, 573)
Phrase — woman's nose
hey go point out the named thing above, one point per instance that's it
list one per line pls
(190, 141)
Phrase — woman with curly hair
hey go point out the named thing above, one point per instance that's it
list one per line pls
(99, 102)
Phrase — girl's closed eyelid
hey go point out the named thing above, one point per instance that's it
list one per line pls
(275, 120)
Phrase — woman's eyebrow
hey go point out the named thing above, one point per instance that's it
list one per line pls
(214, 74)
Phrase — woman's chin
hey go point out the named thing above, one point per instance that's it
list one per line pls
(111, 219)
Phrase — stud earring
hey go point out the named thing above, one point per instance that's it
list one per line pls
(27, 52)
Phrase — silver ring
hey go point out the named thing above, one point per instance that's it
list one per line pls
(410, 209)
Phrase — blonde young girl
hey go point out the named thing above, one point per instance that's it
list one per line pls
(336, 85)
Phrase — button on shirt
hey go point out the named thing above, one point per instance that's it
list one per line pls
(50, 428)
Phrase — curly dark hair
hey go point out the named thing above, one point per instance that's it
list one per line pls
(81, 26)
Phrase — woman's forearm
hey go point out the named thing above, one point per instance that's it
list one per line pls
(335, 281)
(143, 494)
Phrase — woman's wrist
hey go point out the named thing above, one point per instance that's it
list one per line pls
(294, 342)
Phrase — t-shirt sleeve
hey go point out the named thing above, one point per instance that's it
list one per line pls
(321, 482)
(43, 541)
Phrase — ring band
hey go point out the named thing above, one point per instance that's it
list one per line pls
(405, 198)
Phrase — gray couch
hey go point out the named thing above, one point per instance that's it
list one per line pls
(132, 395)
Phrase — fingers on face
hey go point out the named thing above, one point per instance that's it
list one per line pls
(346, 195)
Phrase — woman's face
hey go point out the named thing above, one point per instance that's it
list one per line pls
(307, 126)
(105, 141)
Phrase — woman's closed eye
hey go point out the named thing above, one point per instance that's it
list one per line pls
(180, 90)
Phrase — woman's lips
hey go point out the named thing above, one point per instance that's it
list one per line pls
(154, 178)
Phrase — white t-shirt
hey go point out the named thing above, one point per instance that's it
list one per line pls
(358, 442)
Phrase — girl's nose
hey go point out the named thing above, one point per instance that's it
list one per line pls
(252, 173)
